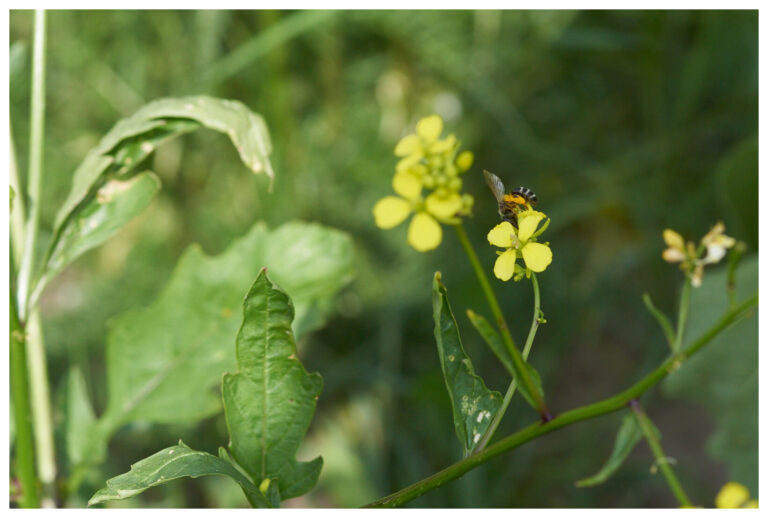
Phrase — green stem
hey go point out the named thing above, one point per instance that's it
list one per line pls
(662, 461)
(25, 453)
(42, 414)
(34, 178)
(685, 302)
(606, 406)
(517, 359)
(17, 214)
(513, 384)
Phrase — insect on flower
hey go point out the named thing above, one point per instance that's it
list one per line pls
(510, 205)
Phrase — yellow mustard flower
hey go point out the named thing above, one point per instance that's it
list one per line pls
(427, 162)
(520, 242)
(424, 232)
(715, 243)
(734, 496)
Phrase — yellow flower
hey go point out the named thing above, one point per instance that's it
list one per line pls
(678, 251)
(734, 496)
(424, 232)
(520, 242)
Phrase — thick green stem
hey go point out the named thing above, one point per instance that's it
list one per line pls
(34, 178)
(662, 461)
(685, 302)
(513, 384)
(606, 406)
(517, 358)
(22, 413)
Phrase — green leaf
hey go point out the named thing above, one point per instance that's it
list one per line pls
(474, 405)
(123, 149)
(165, 361)
(723, 377)
(493, 339)
(628, 436)
(115, 204)
(270, 400)
(170, 464)
(83, 438)
(135, 137)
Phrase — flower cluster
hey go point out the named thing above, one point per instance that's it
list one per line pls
(522, 243)
(692, 260)
(734, 496)
(427, 162)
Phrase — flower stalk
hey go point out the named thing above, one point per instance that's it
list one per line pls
(498, 316)
(513, 384)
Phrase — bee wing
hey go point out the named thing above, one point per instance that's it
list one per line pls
(497, 188)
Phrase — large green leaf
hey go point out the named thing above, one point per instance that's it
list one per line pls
(270, 400)
(170, 464)
(474, 405)
(494, 341)
(83, 222)
(628, 436)
(165, 361)
(723, 378)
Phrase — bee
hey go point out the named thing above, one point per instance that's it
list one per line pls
(510, 205)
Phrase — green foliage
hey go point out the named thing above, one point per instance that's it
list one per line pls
(473, 404)
(493, 339)
(724, 377)
(627, 437)
(104, 197)
(83, 441)
(164, 361)
(116, 203)
(170, 464)
(270, 400)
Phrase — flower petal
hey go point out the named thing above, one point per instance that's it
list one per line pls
(443, 146)
(408, 162)
(429, 128)
(443, 207)
(527, 221)
(424, 233)
(501, 235)
(672, 255)
(408, 145)
(505, 265)
(673, 239)
(732, 496)
(407, 184)
(536, 256)
(391, 211)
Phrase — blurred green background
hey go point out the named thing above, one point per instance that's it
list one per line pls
(624, 123)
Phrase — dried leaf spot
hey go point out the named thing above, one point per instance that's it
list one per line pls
(147, 147)
(476, 438)
(226, 312)
(107, 193)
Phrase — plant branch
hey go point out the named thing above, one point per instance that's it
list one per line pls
(662, 461)
(513, 384)
(606, 406)
(517, 359)
(661, 318)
